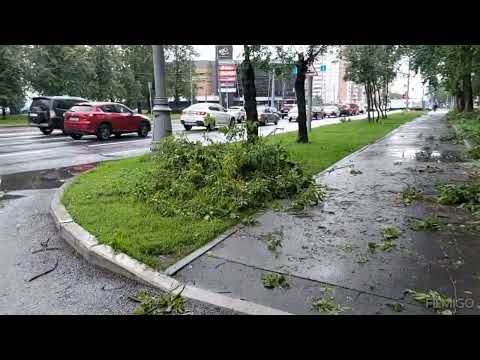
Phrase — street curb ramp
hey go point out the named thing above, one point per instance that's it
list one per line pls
(106, 257)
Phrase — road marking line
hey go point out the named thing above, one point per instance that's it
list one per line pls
(119, 142)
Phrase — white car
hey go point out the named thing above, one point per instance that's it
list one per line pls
(331, 110)
(194, 115)
(292, 114)
(238, 112)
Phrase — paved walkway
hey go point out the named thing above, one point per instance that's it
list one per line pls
(330, 244)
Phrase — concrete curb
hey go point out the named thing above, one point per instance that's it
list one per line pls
(106, 257)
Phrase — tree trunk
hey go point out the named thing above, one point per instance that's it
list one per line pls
(367, 93)
(375, 102)
(4, 113)
(139, 107)
(467, 93)
(249, 96)
(300, 94)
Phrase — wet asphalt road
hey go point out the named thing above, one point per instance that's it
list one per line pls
(25, 149)
(329, 245)
(74, 287)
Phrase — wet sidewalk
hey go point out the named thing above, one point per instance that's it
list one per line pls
(336, 247)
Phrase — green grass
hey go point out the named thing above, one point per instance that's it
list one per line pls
(100, 201)
(328, 144)
(11, 120)
(96, 202)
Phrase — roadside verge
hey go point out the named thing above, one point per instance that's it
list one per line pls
(106, 257)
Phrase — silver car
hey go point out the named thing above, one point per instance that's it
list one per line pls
(267, 115)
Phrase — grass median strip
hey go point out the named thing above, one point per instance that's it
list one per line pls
(12, 120)
(106, 202)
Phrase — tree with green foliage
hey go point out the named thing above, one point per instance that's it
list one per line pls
(304, 60)
(59, 70)
(139, 61)
(254, 56)
(179, 73)
(107, 67)
(452, 66)
(11, 76)
(375, 67)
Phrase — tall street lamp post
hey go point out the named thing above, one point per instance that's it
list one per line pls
(162, 124)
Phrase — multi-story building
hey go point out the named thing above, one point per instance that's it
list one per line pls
(205, 80)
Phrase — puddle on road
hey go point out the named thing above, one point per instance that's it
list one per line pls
(41, 179)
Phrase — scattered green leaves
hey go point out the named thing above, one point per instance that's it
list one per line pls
(326, 304)
(427, 224)
(433, 299)
(274, 280)
(273, 239)
(171, 304)
(348, 248)
(249, 220)
(410, 195)
(397, 307)
(474, 152)
(391, 233)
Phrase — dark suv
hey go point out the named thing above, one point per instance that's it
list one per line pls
(46, 112)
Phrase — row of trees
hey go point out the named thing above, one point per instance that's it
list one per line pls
(456, 68)
(281, 60)
(96, 72)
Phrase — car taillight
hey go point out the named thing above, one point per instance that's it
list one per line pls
(200, 113)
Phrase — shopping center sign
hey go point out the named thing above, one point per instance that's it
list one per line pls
(227, 69)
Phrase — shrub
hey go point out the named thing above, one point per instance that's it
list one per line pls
(191, 180)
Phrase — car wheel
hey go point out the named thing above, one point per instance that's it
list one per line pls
(103, 132)
(46, 131)
(187, 127)
(232, 122)
(76, 136)
(289, 119)
(143, 130)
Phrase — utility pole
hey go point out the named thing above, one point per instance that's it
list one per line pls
(272, 97)
(162, 124)
(309, 112)
(408, 83)
(191, 84)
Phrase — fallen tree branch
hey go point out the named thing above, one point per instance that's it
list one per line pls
(45, 272)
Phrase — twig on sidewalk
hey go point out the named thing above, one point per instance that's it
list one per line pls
(45, 272)
(46, 249)
(45, 243)
(454, 295)
(133, 299)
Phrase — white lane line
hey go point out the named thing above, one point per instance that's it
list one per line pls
(135, 151)
(26, 152)
(120, 142)
(19, 134)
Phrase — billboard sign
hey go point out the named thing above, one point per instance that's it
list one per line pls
(224, 52)
(227, 76)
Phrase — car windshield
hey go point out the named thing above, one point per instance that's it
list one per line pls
(81, 108)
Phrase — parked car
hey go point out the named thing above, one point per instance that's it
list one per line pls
(47, 113)
(238, 112)
(267, 115)
(285, 109)
(349, 110)
(331, 110)
(317, 113)
(195, 116)
(104, 119)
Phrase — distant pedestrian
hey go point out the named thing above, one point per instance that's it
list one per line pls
(435, 107)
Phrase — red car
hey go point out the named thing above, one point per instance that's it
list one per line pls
(103, 120)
